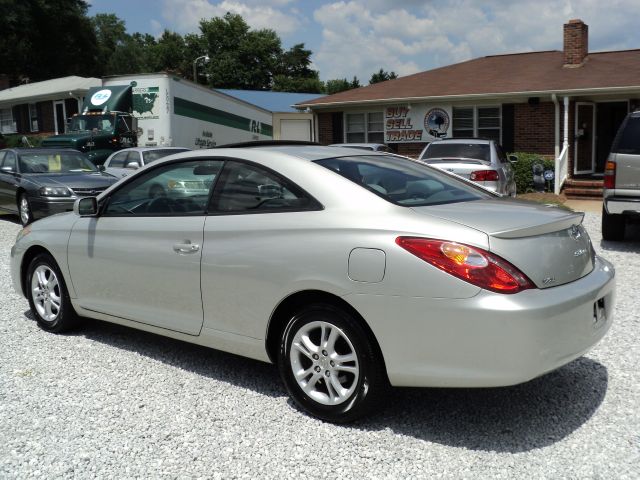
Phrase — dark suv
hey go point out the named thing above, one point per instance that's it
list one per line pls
(622, 179)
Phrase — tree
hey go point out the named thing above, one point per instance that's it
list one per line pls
(382, 76)
(240, 57)
(283, 83)
(169, 53)
(43, 39)
(340, 85)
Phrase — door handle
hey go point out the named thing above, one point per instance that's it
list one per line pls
(186, 247)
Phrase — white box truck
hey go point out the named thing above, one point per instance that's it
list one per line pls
(172, 111)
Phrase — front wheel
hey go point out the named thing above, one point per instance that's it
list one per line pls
(48, 295)
(24, 209)
(330, 366)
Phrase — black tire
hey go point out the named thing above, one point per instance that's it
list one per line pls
(362, 392)
(48, 287)
(24, 210)
(613, 226)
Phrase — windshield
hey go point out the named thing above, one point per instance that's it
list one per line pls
(628, 138)
(55, 162)
(101, 123)
(404, 182)
(152, 155)
(458, 150)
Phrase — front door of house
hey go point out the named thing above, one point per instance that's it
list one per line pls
(584, 135)
(609, 117)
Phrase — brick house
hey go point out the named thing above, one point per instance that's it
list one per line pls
(42, 107)
(565, 105)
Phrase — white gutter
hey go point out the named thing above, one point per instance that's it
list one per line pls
(556, 124)
(583, 91)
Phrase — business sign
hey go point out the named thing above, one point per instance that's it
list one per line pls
(417, 123)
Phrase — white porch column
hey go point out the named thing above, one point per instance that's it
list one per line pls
(565, 141)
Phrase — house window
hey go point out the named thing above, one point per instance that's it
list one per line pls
(365, 127)
(489, 123)
(7, 122)
(33, 117)
(463, 122)
(483, 122)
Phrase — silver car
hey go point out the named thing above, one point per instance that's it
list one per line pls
(376, 147)
(350, 270)
(123, 162)
(481, 161)
(621, 194)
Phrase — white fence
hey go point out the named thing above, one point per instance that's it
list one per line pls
(561, 168)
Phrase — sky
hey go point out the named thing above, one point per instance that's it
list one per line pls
(359, 37)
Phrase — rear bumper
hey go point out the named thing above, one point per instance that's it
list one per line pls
(489, 340)
(619, 205)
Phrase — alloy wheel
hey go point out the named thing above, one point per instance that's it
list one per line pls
(45, 292)
(324, 363)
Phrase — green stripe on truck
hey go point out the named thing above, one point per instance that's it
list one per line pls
(189, 109)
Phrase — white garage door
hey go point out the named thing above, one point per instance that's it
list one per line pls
(299, 129)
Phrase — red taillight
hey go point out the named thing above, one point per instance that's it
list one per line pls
(484, 176)
(471, 264)
(610, 174)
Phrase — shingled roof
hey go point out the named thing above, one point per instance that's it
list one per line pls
(502, 75)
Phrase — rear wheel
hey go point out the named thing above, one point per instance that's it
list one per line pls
(48, 295)
(24, 209)
(613, 226)
(330, 366)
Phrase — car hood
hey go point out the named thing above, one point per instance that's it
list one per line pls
(72, 180)
(548, 244)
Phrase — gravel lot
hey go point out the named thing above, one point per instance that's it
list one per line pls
(110, 402)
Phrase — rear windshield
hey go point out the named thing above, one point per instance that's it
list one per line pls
(55, 162)
(404, 182)
(152, 155)
(628, 137)
(458, 150)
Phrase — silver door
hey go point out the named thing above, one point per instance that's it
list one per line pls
(140, 259)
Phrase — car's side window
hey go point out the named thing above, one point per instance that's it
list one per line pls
(174, 189)
(10, 161)
(247, 188)
(1, 158)
(118, 160)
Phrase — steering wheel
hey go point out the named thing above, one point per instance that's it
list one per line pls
(161, 205)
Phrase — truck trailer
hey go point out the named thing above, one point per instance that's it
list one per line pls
(159, 110)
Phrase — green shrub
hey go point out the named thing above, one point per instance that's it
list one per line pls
(13, 141)
(524, 171)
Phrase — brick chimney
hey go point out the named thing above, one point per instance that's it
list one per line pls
(576, 43)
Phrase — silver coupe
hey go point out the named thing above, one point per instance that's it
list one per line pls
(353, 271)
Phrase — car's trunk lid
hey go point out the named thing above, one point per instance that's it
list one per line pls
(547, 244)
(460, 166)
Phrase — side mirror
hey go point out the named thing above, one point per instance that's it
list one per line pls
(513, 158)
(86, 207)
(102, 168)
(8, 169)
(133, 165)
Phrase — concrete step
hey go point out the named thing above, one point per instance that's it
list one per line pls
(578, 183)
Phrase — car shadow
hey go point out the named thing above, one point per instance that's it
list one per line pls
(510, 419)
(513, 419)
(10, 218)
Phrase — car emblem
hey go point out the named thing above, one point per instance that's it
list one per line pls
(579, 253)
(548, 280)
(574, 232)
